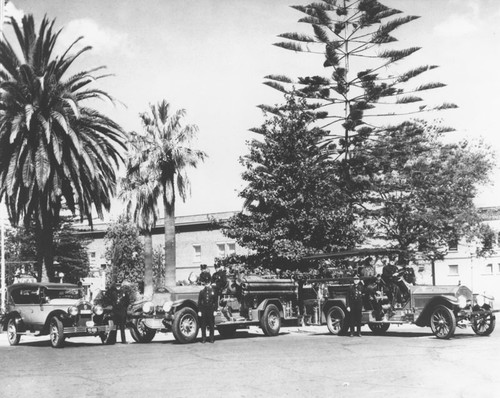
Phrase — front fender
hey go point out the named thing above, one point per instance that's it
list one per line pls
(18, 320)
(448, 301)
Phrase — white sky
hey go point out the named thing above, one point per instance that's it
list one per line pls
(210, 57)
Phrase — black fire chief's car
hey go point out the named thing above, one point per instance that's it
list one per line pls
(54, 309)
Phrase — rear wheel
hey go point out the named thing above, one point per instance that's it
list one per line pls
(483, 325)
(271, 321)
(141, 333)
(185, 325)
(335, 319)
(12, 336)
(56, 332)
(379, 328)
(443, 322)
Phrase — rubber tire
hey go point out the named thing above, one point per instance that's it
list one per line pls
(490, 322)
(110, 337)
(379, 328)
(270, 322)
(227, 331)
(141, 333)
(443, 322)
(335, 320)
(56, 333)
(12, 336)
(189, 316)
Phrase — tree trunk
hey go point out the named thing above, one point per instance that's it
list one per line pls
(45, 242)
(148, 265)
(170, 265)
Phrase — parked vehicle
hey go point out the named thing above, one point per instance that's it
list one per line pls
(254, 301)
(442, 308)
(57, 310)
(146, 318)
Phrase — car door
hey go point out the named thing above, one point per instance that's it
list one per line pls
(27, 303)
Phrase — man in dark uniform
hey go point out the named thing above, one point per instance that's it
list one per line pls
(204, 275)
(355, 305)
(207, 305)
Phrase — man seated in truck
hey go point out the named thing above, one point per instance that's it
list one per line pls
(219, 279)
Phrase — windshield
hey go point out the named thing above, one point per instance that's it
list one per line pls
(64, 294)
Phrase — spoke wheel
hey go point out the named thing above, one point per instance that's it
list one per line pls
(185, 326)
(443, 322)
(56, 333)
(12, 336)
(141, 333)
(379, 328)
(483, 325)
(271, 321)
(335, 320)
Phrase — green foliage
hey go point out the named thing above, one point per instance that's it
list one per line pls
(357, 43)
(418, 191)
(55, 149)
(70, 251)
(163, 153)
(159, 266)
(294, 203)
(125, 252)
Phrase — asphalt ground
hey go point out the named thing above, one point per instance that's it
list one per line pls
(301, 362)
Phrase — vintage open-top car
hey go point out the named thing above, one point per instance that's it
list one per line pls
(55, 309)
(443, 308)
(255, 301)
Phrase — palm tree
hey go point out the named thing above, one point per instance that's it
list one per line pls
(141, 191)
(54, 149)
(167, 154)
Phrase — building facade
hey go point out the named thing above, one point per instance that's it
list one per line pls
(198, 241)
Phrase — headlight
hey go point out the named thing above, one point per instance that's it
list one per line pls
(167, 306)
(147, 307)
(73, 311)
(462, 301)
(98, 310)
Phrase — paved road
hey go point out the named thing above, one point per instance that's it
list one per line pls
(302, 362)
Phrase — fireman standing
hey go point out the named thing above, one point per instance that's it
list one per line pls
(355, 305)
(207, 305)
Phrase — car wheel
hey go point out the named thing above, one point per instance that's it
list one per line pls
(483, 324)
(226, 331)
(443, 322)
(12, 336)
(271, 321)
(141, 333)
(109, 338)
(56, 332)
(379, 328)
(335, 319)
(185, 325)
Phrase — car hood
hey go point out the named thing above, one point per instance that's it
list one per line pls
(64, 301)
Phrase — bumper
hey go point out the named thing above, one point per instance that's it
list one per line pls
(90, 329)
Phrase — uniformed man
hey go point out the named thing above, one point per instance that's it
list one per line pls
(207, 305)
(355, 305)
(204, 275)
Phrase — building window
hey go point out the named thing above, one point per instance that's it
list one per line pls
(197, 253)
(453, 269)
(453, 245)
(498, 268)
(221, 250)
(488, 269)
(231, 248)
